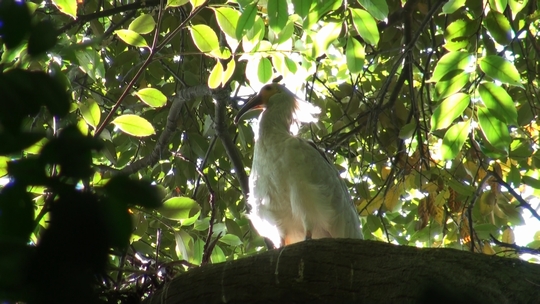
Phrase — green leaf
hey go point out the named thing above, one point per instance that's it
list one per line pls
(531, 181)
(68, 7)
(254, 36)
(291, 65)
(407, 131)
(326, 35)
(216, 75)
(277, 15)
(91, 112)
(3, 165)
(302, 7)
(500, 69)
(377, 8)
(452, 6)
(454, 139)
(449, 109)
(495, 130)
(457, 34)
(355, 55)
(365, 25)
(498, 102)
(143, 24)
(499, 27)
(264, 71)
(286, 33)
(131, 38)
(246, 20)
(217, 256)
(231, 240)
(152, 97)
(134, 125)
(451, 83)
(498, 5)
(178, 208)
(204, 38)
(176, 3)
(196, 3)
(450, 62)
(227, 19)
(516, 6)
(231, 66)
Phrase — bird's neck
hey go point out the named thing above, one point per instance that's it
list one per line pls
(276, 120)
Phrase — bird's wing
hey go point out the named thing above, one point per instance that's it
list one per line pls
(311, 172)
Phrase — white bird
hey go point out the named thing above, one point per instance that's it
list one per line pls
(295, 192)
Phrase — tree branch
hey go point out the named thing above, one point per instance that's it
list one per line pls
(222, 98)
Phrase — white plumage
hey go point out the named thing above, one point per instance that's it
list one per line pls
(295, 193)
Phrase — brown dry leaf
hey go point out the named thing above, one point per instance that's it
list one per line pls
(464, 231)
(453, 204)
(423, 214)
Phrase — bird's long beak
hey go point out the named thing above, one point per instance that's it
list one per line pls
(254, 103)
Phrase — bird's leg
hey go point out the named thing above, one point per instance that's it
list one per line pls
(308, 235)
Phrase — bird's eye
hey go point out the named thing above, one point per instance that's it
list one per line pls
(268, 87)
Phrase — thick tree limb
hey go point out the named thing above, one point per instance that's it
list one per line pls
(347, 271)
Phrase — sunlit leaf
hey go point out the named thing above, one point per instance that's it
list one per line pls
(378, 9)
(216, 76)
(204, 38)
(68, 7)
(134, 125)
(457, 34)
(495, 130)
(152, 97)
(454, 139)
(498, 5)
(450, 62)
(452, 6)
(500, 69)
(499, 27)
(227, 19)
(449, 109)
(246, 20)
(355, 55)
(176, 3)
(91, 112)
(231, 66)
(178, 208)
(131, 38)
(365, 25)
(143, 24)
(302, 7)
(277, 15)
(498, 102)
(451, 83)
(516, 6)
(264, 70)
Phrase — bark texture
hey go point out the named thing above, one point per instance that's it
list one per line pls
(347, 271)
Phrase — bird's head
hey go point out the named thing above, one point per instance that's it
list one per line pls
(274, 93)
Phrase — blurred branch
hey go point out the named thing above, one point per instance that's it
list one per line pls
(518, 249)
(172, 119)
(522, 202)
(222, 98)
